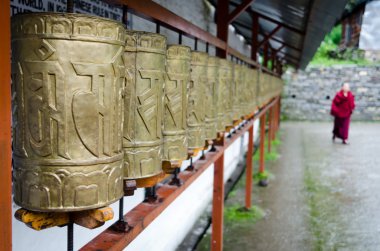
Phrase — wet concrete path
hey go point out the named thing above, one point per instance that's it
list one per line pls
(321, 196)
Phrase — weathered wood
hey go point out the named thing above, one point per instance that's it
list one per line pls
(93, 218)
(40, 220)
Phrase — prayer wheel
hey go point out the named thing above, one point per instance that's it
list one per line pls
(211, 97)
(262, 88)
(253, 90)
(175, 103)
(144, 58)
(221, 90)
(228, 95)
(248, 86)
(68, 84)
(196, 103)
(243, 93)
(237, 92)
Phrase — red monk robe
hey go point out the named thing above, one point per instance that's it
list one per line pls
(341, 108)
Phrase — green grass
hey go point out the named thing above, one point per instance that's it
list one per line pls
(257, 177)
(273, 155)
(238, 213)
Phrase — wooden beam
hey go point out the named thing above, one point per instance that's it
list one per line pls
(5, 128)
(267, 37)
(239, 9)
(153, 11)
(255, 37)
(278, 40)
(286, 26)
(222, 25)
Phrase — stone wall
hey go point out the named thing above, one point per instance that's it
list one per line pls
(308, 94)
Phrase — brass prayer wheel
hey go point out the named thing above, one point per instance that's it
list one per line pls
(248, 96)
(262, 88)
(175, 103)
(68, 83)
(144, 58)
(211, 97)
(221, 90)
(243, 92)
(228, 95)
(253, 89)
(196, 107)
(237, 92)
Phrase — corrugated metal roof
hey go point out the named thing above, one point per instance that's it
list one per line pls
(304, 25)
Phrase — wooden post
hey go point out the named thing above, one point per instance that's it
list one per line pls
(222, 25)
(270, 130)
(249, 170)
(266, 54)
(5, 129)
(218, 205)
(262, 140)
(274, 121)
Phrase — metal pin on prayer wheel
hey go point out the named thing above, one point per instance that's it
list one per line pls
(196, 109)
(68, 84)
(175, 105)
(144, 59)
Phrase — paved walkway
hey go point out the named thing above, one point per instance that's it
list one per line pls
(322, 195)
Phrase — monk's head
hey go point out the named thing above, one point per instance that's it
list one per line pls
(346, 87)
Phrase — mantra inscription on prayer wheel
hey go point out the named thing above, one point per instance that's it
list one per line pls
(196, 109)
(228, 95)
(236, 98)
(221, 91)
(68, 78)
(175, 103)
(252, 89)
(211, 97)
(144, 59)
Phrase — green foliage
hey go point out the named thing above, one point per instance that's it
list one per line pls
(273, 155)
(257, 177)
(328, 52)
(238, 213)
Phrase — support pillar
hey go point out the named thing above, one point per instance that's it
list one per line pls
(266, 55)
(270, 129)
(262, 141)
(218, 205)
(222, 25)
(249, 170)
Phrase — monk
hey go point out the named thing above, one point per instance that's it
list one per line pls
(342, 108)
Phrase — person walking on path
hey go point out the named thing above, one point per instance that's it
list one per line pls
(342, 107)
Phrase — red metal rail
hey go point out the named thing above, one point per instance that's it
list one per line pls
(145, 213)
(142, 215)
(5, 128)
